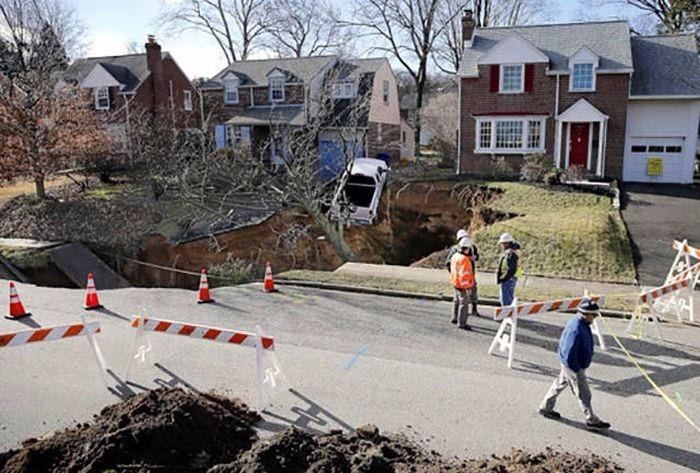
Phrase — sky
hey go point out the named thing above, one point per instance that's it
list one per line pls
(112, 24)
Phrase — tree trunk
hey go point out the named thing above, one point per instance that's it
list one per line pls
(40, 187)
(420, 85)
(334, 232)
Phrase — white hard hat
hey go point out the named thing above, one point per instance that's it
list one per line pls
(464, 243)
(506, 238)
(462, 234)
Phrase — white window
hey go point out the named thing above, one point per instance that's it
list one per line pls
(485, 135)
(385, 92)
(238, 135)
(510, 135)
(277, 89)
(187, 95)
(583, 77)
(102, 98)
(343, 90)
(512, 80)
(231, 91)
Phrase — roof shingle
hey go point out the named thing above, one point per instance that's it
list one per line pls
(665, 65)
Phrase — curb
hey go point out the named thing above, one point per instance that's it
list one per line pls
(408, 295)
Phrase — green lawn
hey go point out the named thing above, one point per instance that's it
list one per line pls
(565, 233)
(486, 290)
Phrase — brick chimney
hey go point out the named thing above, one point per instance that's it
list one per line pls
(154, 62)
(468, 25)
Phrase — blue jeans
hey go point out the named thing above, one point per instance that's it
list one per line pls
(508, 291)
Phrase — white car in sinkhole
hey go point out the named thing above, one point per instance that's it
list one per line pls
(357, 199)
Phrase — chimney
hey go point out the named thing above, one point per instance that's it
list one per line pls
(468, 25)
(154, 62)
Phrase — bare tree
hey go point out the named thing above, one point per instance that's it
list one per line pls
(448, 47)
(440, 117)
(235, 25)
(674, 16)
(304, 28)
(405, 29)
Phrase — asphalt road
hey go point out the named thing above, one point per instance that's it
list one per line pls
(354, 359)
(656, 215)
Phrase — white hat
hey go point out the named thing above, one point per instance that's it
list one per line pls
(464, 243)
(506, 238)
(462, 234)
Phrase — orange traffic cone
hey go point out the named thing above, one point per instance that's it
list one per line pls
(269, 285)
(16, 307)
(92, 301)
(203, 295)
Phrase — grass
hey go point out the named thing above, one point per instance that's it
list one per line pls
(563, 233)
(486, 290)
(26, 258)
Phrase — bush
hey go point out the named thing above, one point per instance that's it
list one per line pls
(500, 169)
(538, 168)
(575, 173)
(232, 273)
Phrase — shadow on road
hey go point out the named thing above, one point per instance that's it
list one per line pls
(111, 313)
(312, 413)
(671, 454)
(29, 322)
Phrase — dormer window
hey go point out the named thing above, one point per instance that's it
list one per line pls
(101, 98)
(512, 79)
(343, 90)
(230, 90)
(583, 77)
(277, 89)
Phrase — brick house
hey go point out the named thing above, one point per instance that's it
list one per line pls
(122, 85)
(584, 94)
(258, 96)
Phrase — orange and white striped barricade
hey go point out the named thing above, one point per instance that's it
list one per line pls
(59, 332)
(509, 316)
(685, 265)
(269, 373)
(646, 310)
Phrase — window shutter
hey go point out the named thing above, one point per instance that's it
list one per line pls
(529, 77)
(494, 77)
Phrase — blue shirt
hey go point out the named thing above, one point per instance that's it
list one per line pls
(576, 344)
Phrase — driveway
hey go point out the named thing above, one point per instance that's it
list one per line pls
(354, 359)
(656, 215)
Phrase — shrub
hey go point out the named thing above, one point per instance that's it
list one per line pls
(536, 168)
(232, 273)
(500, 168)
(575, 173)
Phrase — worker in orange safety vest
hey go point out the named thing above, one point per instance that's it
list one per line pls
(463, 280)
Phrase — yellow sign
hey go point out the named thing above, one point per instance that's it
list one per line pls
(655, 166)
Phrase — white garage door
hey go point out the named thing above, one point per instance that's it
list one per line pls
(655, 160)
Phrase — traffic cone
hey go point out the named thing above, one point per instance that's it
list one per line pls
(203, 295)
(269, 285)
(92, 301)
(17, 310)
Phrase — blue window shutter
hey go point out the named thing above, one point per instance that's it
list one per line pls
(220, 136)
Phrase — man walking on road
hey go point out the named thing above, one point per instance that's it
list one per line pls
(575, 354)
(475, 257)
(506, 276)
(462, 279)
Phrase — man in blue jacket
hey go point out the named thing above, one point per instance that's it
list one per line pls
(575, 354)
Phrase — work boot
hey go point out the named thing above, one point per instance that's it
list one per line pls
(468, 328)
(597, 425)
(475, 312)
(453, 321)
(554, 415)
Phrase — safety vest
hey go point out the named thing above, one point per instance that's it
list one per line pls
(461, 271)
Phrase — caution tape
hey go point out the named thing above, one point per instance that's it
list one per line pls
(644, 372)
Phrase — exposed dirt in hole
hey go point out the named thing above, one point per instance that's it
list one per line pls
(174, 430)
(415, 220)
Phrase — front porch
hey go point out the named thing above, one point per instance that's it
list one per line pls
(580, 138)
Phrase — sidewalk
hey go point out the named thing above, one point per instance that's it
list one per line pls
(440, 276)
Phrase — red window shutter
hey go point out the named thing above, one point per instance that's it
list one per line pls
(494, 77)
(529, 77)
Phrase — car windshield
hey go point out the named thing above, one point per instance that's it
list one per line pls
(360, 190)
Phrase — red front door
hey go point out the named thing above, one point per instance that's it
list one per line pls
(579, 144)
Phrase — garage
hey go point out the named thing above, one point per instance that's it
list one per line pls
(659, 159)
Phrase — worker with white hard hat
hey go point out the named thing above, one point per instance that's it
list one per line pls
(506, 275)
(475, 257)
(463, 280)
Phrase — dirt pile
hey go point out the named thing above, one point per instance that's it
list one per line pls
(174, 430)
(164, 428)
